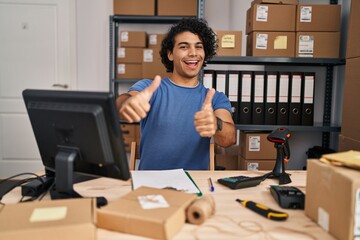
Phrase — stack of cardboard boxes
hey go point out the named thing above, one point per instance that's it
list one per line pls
(350, 128)
(256, 152)
(279, 28)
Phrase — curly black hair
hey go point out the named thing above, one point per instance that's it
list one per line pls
(194, 25)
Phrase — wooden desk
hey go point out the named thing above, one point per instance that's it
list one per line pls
(230, 216)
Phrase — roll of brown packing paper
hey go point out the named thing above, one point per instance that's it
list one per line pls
(200, 210)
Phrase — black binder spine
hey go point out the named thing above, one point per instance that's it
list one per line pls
(270, 108)
(258, 90)
(244, 97)
(283, 99)
(308, 99)
(295, 98)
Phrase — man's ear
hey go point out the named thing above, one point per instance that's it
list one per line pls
(170, 56)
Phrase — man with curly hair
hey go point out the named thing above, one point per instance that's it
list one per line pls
(178, 115)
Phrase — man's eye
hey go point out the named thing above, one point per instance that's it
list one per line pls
(199, 47)
(183, 47)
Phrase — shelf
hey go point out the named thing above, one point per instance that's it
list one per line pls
(315, 128)
(276, 61)
(126, 80)
(146, 19)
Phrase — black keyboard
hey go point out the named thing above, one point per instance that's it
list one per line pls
(238, 182)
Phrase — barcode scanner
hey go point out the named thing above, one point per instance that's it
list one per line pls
(280, 139)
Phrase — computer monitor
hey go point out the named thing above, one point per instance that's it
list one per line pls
(76, 131)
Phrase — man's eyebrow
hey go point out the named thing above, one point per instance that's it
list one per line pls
(187, 43)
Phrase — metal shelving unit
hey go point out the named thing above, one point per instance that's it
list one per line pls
(114, 23)
(329, 63)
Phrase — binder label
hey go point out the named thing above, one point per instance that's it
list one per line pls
(262, 13)
(271, 89)
(309, 90)
(221, 83)
(246, 88)
(208, 80)
(254, 143)
(259, 89)
(284, 88)
(261, 41)
(305, 13)
(233, 87)
(296, 89)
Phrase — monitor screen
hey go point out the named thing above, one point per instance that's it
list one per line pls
(79, 132)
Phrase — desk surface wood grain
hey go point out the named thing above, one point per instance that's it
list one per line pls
(231, 220)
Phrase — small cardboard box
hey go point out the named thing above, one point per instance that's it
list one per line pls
(353, 38)
(229, 43)
(274, 44)
(255, 164)
(57, 219)
(132, 39)
(129, 55)
(129, 71)
(254, 145)
(333, 199)
(318, 18)
(127, 214)
(155, 40)
(134, 7)
(227, 157)
(318, 44)
(152, 64)
(346, 143)
(177, 8)
(271, 17)
(290, 2)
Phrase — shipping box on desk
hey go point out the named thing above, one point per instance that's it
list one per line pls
(333, 199)
(127, 215)
(57, 219)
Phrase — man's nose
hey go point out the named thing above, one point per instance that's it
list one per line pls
(192, 51)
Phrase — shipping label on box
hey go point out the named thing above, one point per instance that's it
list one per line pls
(306, 46)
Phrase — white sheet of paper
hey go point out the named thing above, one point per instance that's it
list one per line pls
(175, 178)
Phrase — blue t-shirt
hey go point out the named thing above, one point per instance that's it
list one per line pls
(169, 139)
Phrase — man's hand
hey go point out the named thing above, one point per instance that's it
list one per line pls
(136, 107)
(205, 119)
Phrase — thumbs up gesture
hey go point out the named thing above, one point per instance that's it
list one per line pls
(137, 106)
(205, 119)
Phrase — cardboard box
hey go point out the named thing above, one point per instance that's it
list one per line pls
(129, 71)
(254, 145)
(318, 44)
(332, 198)
(353, 38)
(132, 39)
(346, 143)
(274, 44)
(130, 55)
(152, 64)
(127, 214)
(154, 40)
(255, 164)
(271, 17)
(290, 2)
(134, 7)
(177, 8)
(227, 157)
(58, 219)
(351, 112)
(229, 43)
(318, 18)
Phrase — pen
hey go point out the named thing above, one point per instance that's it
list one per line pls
(211, 185)
(263, 210)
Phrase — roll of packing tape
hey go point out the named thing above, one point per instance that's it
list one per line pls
(200, 210)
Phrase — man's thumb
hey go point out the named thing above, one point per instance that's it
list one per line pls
(208, 99)
(153, 86)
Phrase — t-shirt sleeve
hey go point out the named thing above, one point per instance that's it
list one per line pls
(221, 101)
(140, 85)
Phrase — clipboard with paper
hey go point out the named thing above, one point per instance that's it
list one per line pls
(176, 179)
